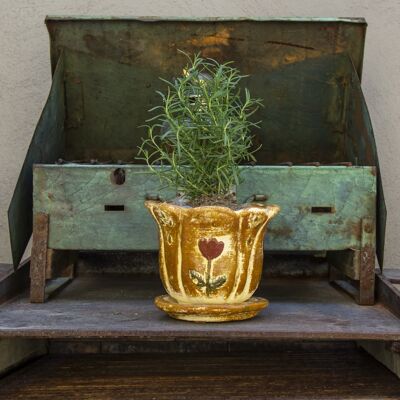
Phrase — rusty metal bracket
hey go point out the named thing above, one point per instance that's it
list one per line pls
(348, 267)
(367, 262)
(39, 256)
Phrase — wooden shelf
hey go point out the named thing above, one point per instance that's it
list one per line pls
(107, 306)
(277, 374)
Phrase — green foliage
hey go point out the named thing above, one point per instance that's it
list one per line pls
(201, 132)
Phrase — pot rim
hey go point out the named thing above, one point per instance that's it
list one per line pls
(241, 207)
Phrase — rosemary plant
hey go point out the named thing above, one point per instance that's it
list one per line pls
(201, 132)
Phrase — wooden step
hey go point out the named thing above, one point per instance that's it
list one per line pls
(276, 374)
(121, 307)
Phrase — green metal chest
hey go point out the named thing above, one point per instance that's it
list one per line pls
(318, 159)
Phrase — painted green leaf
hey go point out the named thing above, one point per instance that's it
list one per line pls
(197, 278)
(217, 282)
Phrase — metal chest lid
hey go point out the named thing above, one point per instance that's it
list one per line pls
(113, 65)
(276, 41)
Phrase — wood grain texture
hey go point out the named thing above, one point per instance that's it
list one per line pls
(121, 307)
(295, 375)
(75, 197)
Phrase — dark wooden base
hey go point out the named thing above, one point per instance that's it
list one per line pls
(276, 374)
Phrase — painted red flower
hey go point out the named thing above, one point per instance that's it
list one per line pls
(210, 248)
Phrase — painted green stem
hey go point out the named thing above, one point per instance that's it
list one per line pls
(208, 277)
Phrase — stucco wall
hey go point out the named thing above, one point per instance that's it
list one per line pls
(25, 75)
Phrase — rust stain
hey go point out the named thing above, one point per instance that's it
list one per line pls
(282, 231)
(299, 46)
(368, 228)
(211, 52)
(125, 51)
(289, 59)
(221, 38)
(367, 275)
(355, 229)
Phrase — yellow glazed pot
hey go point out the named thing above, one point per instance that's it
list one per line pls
(211, 259)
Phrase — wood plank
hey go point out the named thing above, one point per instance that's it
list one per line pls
(121, 307)
(75, 196)
(291, 374)
(189, 346)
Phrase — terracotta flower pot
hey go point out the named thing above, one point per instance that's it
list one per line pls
(211, 259)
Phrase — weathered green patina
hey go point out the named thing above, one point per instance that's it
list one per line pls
(321, 207)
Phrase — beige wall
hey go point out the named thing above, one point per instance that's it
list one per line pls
(25, 74)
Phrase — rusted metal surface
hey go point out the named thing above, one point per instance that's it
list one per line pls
(277, 54)
(94, 136)
(39, 257)
(46, 146)
(121, 307)
(353, 270)
(360, 147)
(311, 123)
(346, 261)
(321, 207)
(60, 263)
(314, 123)
(367, 262)
(322, 35)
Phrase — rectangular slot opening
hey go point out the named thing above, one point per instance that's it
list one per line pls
(322, 210)
(114, 207)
